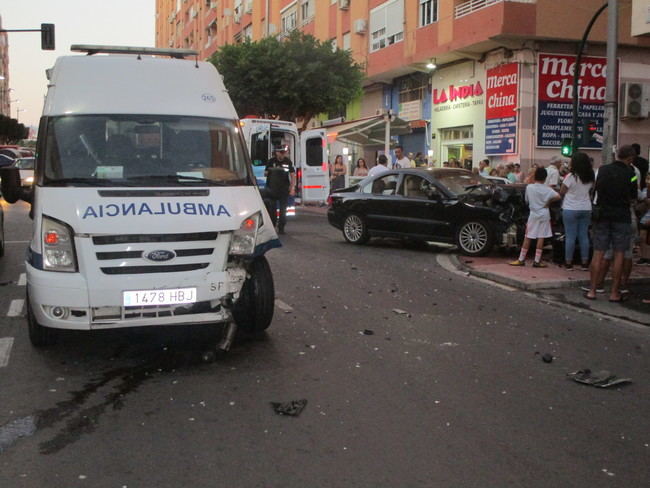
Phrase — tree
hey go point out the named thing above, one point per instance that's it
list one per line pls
(299, 77)
(11, 131)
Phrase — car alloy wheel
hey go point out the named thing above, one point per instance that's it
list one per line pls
(474, 238)
(354, 229)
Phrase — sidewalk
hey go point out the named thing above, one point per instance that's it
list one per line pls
(561, 285)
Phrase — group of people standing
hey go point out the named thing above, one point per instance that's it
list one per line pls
(612, 201)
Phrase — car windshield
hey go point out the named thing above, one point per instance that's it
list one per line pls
(459, 182)
(25, 163)
(144, 150)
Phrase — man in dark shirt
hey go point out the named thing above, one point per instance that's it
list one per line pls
(642, 165)
(616, 188)
(280, 184)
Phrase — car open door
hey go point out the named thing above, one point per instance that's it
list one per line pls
(314, 169)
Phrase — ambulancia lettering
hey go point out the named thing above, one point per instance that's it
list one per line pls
(160, 208)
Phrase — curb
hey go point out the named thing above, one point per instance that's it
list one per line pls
(547, 285)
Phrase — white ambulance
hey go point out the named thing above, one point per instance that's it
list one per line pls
(145, 206)
(307, 151)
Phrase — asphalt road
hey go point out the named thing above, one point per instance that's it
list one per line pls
(446, 387)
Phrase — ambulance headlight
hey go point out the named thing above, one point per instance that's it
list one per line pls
(243, 239)
(58, 246)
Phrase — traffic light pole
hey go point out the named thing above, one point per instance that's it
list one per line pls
(611, 103)
(576, 79)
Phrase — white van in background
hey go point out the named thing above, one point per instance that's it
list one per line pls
(144, 202)
(307, 151)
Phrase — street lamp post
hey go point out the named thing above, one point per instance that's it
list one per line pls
(18, 110)
(610, 125)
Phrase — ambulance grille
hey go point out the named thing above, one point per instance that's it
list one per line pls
(100, 314)
(136, 238)
(170, 268)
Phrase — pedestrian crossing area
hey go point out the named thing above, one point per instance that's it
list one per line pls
(15, 309)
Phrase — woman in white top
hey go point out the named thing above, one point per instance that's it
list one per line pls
(576, 208)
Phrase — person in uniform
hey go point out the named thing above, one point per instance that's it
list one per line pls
(280, 184)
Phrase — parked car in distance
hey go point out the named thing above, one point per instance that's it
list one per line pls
(6, 160)
(26, 167)
(434, 204)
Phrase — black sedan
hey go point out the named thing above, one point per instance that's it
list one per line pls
(442, 205)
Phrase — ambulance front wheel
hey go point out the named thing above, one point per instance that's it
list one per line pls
(253, 311)
(39, 336)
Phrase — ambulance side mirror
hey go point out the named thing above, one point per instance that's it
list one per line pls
(11, 188)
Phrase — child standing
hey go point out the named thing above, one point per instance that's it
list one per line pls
(538, 197)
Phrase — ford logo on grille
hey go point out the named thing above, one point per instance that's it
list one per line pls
(159, 255)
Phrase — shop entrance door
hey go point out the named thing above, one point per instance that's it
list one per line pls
(458, 143)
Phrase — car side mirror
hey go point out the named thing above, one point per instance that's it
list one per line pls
(12, 190)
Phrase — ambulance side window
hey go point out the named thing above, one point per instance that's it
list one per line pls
(260, 148)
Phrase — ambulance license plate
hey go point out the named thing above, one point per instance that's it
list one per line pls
(173, 296)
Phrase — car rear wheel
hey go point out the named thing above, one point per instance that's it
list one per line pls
(474, 238)
(355, 230)
(253, 311)
(39, 336)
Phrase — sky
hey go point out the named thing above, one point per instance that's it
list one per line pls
(109, 22)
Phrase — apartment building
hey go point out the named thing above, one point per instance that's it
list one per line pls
(5, 106)
(474, 78)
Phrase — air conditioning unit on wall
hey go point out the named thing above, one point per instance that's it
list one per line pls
(360, 26)
(344, 4)
(635, 101)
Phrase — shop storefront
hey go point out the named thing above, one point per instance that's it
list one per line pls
(458, 114)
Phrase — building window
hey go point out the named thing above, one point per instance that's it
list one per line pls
(306, 10)
(289, 20)
(248, 32)
(346, 41)
(428, 12)
(413, 88)
(386, 24)
(334, 44)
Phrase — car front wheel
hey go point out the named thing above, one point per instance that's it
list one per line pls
(355, 230)
(474, 238)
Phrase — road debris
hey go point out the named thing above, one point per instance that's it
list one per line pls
(599, 379)
(547, 358)
(368, 332)
(291, 409)
(399, 311)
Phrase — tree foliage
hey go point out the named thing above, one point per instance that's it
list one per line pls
(11, 131)
(298, 77)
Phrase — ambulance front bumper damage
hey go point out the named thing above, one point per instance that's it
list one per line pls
(67, 305)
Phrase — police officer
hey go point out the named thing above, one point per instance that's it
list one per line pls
(280, 184)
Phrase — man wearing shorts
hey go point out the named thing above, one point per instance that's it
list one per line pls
(616, 188)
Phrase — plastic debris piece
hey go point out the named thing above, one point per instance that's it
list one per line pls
(547, 358)
(291, 409)
(599, 379)
(399, 311)
(368, 332)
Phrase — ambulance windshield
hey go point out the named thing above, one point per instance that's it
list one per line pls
(144, 150)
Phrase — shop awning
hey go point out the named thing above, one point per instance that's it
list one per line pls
(367, 132)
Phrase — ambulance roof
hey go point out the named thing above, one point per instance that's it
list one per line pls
(131, 84)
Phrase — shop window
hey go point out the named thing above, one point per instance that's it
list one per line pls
(386, 24)
(428, 12)
(457, 133)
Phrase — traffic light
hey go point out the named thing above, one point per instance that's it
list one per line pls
(47, 37)
(589, 130)
(567, 147)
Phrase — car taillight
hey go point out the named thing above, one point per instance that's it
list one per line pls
(330, 200)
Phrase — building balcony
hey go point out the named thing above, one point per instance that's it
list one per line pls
(471, 6)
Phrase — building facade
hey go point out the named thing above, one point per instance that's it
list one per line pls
(499, 86)
(5, 106)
